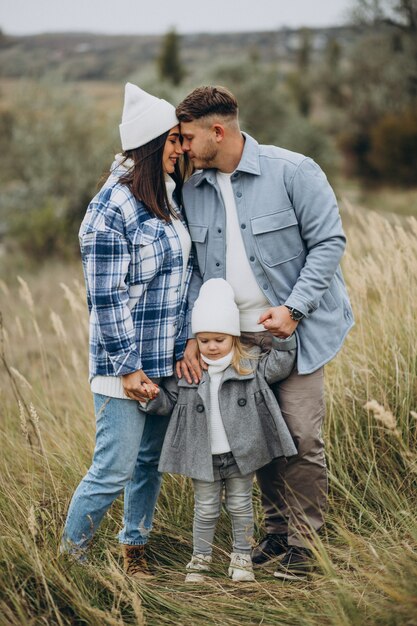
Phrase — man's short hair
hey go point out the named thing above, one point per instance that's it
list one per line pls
(206, 101)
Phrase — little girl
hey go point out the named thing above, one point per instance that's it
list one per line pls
(225, 427)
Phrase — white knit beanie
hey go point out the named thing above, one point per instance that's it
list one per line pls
(215, 309)
(144, 117)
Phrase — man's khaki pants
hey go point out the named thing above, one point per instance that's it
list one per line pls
(294, 491)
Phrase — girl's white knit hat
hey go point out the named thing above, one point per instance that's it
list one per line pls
(215, 310)
(144, 117)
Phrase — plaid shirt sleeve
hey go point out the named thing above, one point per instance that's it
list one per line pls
(106, 261)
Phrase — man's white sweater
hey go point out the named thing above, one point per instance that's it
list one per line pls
(249, 297)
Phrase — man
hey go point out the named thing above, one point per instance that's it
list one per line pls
(267, 221)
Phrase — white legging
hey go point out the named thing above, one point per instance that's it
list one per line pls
(208, 501)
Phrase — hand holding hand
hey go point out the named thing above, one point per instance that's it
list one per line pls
(138, 386)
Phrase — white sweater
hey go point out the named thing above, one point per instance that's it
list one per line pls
(219, 442)
(249, 297)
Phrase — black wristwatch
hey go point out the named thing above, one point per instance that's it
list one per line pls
(295, 314)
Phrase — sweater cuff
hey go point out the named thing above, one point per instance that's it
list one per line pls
(290, 343)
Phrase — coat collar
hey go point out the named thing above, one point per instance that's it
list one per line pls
(231, 374)
(203, 388)
(249, 163)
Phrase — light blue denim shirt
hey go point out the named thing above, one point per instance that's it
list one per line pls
(293, 236)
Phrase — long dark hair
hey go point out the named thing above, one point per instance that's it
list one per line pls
(146, 178)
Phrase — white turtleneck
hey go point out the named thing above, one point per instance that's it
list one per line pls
(219, 442)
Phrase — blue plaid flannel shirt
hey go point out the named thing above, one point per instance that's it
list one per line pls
(133, 270)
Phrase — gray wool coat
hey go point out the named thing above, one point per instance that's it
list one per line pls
(252, 419)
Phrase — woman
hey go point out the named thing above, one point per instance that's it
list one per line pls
(137, 266)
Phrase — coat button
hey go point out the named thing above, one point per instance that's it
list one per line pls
(241, 401)
(200, 408)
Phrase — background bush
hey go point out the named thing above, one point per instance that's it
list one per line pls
(393, 148)
(51, 156)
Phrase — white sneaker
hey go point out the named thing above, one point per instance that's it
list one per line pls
(197, 567)
(240, 568)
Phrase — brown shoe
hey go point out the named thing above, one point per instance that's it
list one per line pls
(134, 562)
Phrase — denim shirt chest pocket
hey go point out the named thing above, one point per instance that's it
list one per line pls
(150, 252)
(277, 236)
(198, 235)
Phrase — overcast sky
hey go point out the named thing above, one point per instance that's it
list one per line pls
(21, 17)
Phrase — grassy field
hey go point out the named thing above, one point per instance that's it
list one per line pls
(367, 557)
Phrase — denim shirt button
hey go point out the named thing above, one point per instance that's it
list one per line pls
(239, 194)
(265, 286)
(217, 264)
(252, 258)
(241, 402)
(243, 226)
(199, 408)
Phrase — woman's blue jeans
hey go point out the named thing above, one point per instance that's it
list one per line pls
(126, 457)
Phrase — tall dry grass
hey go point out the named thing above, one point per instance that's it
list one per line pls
(367, 556)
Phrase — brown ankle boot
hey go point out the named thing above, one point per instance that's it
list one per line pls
(134, 561)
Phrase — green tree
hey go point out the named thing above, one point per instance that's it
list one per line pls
(304, 50)
(298, 81)
(169, 62)
(379, 86)
(398, 19)
(400, 14)
(331, 74)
